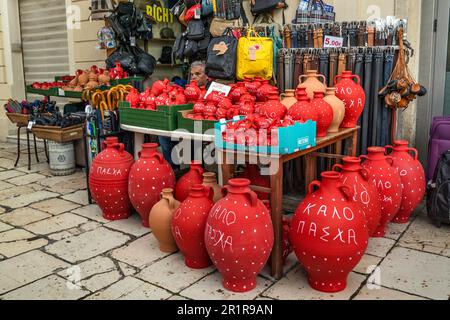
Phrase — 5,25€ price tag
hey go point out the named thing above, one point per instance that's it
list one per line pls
(333, 42)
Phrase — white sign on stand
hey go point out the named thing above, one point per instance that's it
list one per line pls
(221, 88)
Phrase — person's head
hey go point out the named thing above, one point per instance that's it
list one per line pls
(198, 73)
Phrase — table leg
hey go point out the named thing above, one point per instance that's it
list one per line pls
(45, 150)
(138, 141)
(29, 150)
(35, 148)
(354, 144)
(276, 204)
(310, 170)
(227, 169)
(18, 146)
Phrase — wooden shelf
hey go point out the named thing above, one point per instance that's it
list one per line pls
(162, 40)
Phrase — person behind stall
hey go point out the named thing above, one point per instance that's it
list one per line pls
(197, 72)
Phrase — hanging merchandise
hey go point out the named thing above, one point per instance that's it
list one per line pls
(254, 56)
(329, 233)
(189, 224)
(266, 6)
(108, 180)
(148, 177)
(412, 176)
(221, 57)
(314, 11)
(438, 199)
(106, 38)
(101, 9)
(366, 193)
(239, 236)
(160, 221)
(353, 96)
(387, 179)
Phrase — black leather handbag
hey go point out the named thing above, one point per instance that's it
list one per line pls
(221, 59)
(195, 30)
(190, 48)
(178, 47)
(266, 6)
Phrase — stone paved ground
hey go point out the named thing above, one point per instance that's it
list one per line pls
(49, 234)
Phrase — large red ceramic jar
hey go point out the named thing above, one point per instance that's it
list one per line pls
(412, 176)
(189, 223)
(148, 177)
(353, 95)
(239, 236)
(303, 110)
(387, 180)
(365, 192)
(273, 108)
(329, 233)
(252, 85)
(253, 173)
(108, 180)
(192, 177)
(324, 114)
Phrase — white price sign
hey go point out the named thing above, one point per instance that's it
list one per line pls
(222, 88)
(333, 42)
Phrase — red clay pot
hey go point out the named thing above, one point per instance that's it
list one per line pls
(188, 226)
(365, 192)
(412, 176)
(303, 110)
(239, 236)
(184, 184)
(192, 91)
(324, 112)
(329, 234)
(108, 180)
(353, 95)
(387, 180)
(273, 108)
(148, 177)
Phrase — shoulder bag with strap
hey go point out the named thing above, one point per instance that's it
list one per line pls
(221, 60)
(254, 56)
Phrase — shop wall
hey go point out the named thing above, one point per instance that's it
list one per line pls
(4, 87)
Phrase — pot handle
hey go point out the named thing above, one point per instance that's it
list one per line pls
(338, 166)
(312, 185)
(301, 77)
(416, 153)
(346, 191)
(357, 78)
(391, 160)
(158, 156)
(363, 157)
(119, 146)
(199, 170)
(388, 148)
(252, 196)
(365, 174)
(324, 80)
(336, 78)
(209, 192)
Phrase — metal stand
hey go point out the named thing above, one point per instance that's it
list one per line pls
(20, 126)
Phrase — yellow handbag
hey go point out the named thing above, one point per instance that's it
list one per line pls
(254, 56)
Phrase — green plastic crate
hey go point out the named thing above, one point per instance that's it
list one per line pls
(47, 93)
(163, 118)
(190, 124)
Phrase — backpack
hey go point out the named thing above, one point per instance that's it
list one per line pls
(439, 142)
(438, 192)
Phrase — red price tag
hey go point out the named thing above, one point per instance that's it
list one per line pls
(333, 42)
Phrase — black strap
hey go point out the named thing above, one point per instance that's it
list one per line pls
(243, 14)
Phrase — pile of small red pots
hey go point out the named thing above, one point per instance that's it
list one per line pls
(160, 94)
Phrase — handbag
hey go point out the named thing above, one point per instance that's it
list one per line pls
(207, 7)
(190, 48)
(267, 22)
(221, 57)
(195, 30)
(178, 47)
(266, 6)
(219, 26)
(254, 56)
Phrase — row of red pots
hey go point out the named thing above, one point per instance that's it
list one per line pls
(331, 227)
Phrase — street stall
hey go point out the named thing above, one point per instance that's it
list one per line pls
(285, 104)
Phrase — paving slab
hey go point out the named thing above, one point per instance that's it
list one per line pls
(26, 199)
(79, 197)
(132, 226)
(384, 294)
(26, 179)
(55, 224)
(379, 246)
(16, 241)
(23, 216)
(92, 212)
(420, 273)
(55, 206)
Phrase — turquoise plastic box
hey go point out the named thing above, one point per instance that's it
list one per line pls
(300, 136)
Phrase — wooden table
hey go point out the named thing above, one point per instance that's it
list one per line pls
(276, 178)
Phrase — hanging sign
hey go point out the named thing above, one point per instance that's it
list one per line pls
(333, 42)
(160, 14)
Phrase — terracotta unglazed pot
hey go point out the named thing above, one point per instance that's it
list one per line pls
(314, 82)
(188, 226)
(160, 221)
(108, 180)
(329, 233)
(184, 184)
(412, 176)
(387, 180)
(303, 110)
(288, 98)
(239, 236)
(210, 180)
(324, 112)
(365, 192)
(338, 107)
(148, 177)
(353, 95)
